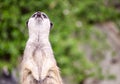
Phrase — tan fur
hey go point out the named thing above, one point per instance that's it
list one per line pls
(38, 65)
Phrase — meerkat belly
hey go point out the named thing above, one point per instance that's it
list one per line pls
(44, 62)
(38, 58)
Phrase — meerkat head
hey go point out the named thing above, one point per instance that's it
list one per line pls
(39, 21)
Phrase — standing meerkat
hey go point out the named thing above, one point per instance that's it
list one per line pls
(38, 64)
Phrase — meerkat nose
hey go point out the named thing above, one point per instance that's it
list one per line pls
(38, 14)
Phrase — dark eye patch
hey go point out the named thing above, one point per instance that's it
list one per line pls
(45, 16)
(33, 15)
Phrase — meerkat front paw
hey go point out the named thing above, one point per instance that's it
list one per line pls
(32, 67)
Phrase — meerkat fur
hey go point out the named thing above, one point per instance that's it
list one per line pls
(39, 65)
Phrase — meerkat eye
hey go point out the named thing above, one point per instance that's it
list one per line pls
(44, 15)
(33, 15)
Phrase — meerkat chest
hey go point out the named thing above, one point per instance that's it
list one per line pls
(44, 60)
(38, 55)
(41, 55)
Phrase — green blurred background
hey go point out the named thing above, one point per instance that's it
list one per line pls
(74, 35)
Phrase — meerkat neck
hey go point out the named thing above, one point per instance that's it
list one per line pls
(39, 39)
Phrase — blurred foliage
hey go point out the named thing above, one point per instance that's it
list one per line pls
(73, 26)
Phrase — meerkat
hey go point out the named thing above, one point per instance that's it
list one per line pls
(39, 65)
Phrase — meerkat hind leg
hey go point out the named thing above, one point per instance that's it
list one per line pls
(28, 79)
(52, 78)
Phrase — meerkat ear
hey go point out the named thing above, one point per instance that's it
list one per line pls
(27, 23)
(51, 25)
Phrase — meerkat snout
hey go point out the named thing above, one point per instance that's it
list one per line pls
(39, 19)
(38, 14)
